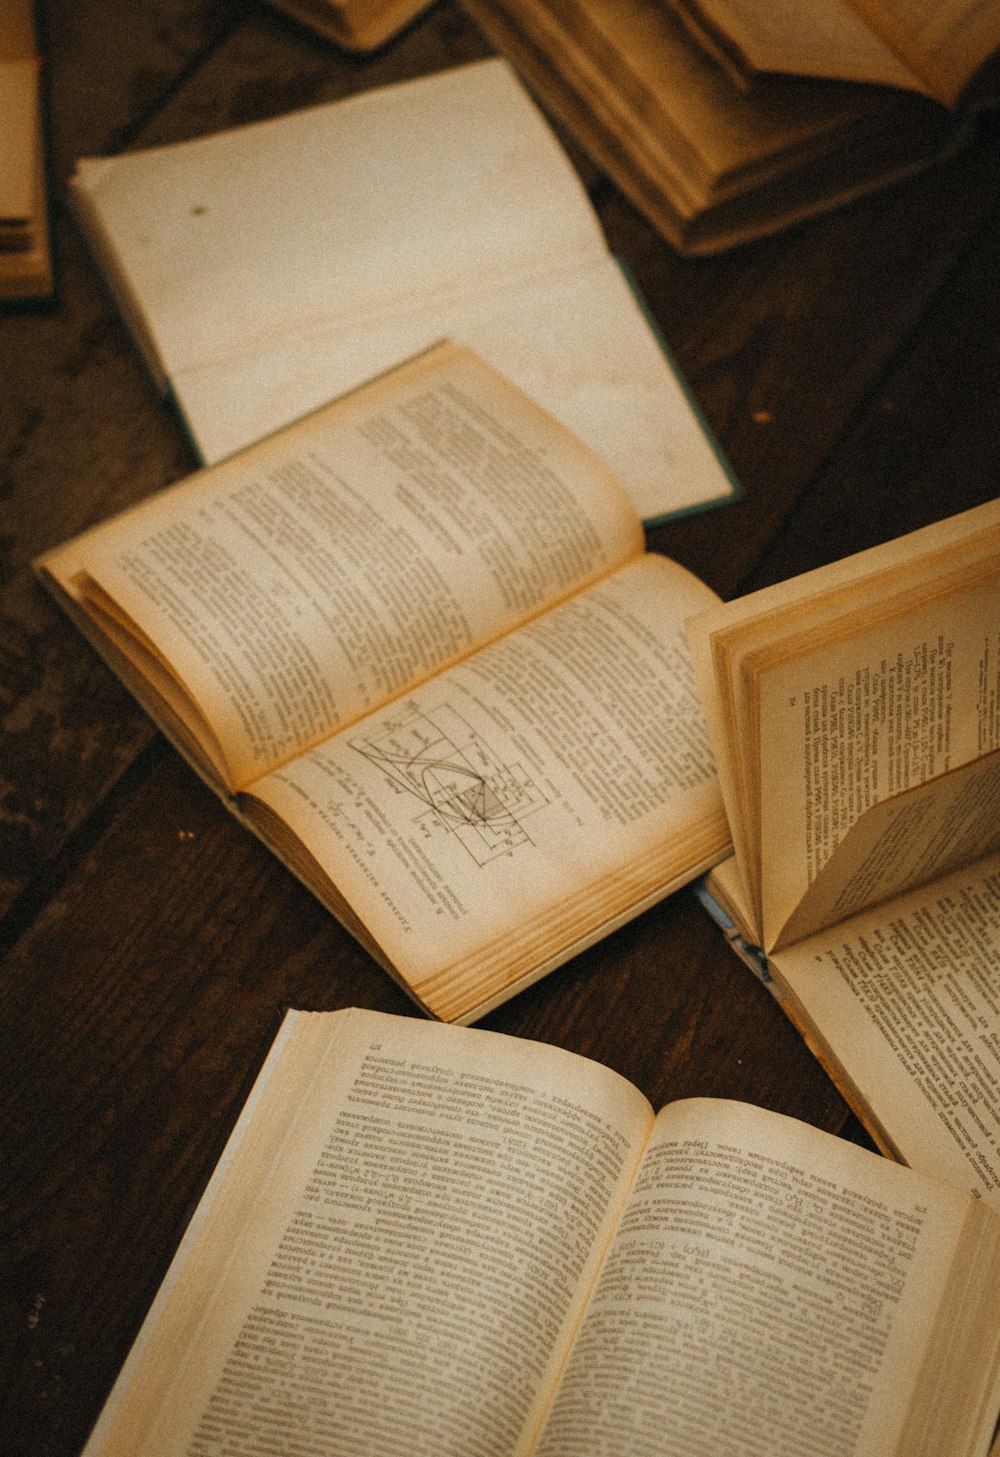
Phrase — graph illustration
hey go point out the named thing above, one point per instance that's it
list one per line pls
(464, 788)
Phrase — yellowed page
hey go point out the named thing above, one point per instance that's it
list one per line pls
(771, 1288)
(267, 269)
(904, 999)
(823, 38)
(631, 59)
(227, 246)
(945, 42)
(360, 25)
(934, 48)
(393, 1252)
(25, 249)
(563, 773)
(725, 883)
(848, 615)
(908, 840)
(333, 566)
(862, 719)
(19, 152)
(575, 339)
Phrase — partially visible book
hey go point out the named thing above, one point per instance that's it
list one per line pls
(429, 1239)
(265, 270)
(416, 644)
(855, 717)
(357, 25)
(679, 102)
(938, 50)
(25, 247)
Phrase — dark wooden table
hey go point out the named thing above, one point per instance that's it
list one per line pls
(850, 369)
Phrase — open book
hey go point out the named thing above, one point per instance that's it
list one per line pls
(417, 644)
(855, 715)
(937, 49)
(268, 269)
(439, 1239)
(25, 246)
(713, 160)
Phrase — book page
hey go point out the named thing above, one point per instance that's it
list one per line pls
(946, 42)
(934, 48)
(393, 1252)
(906, 841)
(773, 1289)
(323, 572)
(560, 778)
(361, 25)
(427, 188)
(19, 153)
(905, 1002)
(863, 719)
(574, 338)
(836, 689)
(266, 269)
(20, 131)
(825, 38)
(644, 78)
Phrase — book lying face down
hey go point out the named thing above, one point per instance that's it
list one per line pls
(416, 644)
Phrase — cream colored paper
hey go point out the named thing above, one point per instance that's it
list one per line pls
(322, 573)
(564, 763)
(267, 269)
(399, 1247)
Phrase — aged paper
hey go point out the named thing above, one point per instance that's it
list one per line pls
(552, 765)
(331, 567)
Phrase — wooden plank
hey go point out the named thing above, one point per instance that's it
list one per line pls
(784, 342)
(137, 1011)
(106, 72)
(83, 433)
(153, 942)
(78, 422)
(925, 441)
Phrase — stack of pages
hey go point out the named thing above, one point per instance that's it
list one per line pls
(855, 717)
(25, 254)
(726, 120)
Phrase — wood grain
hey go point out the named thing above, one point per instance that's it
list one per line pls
(848, 367)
